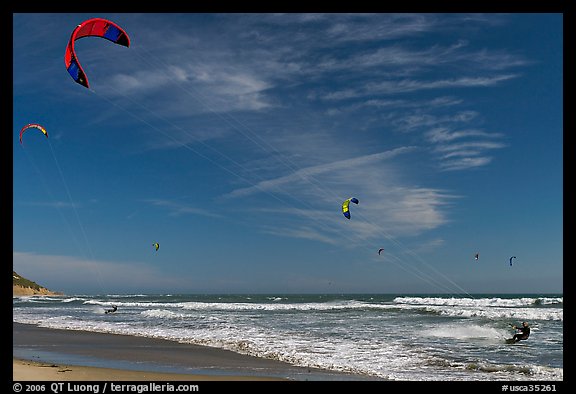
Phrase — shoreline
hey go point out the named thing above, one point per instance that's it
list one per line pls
(27, 370)
(81, 355)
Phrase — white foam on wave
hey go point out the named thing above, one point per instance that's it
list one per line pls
(466, 332)
(309, 306)
(306, 339)
(480, 302)
(71, 299)
(491, 308)
(162, 314)
(501, 313)
(383, 357)
(35, 299)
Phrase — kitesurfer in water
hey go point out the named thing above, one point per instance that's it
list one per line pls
(114, 309)
(524, 332)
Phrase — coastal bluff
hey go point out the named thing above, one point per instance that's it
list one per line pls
(22, 287)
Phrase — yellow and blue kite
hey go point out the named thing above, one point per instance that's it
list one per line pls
(345, 206)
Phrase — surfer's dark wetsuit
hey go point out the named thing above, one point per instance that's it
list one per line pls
(114, 308)
(523, 334)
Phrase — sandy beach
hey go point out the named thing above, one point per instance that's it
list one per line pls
(67, 355)
(25, 370)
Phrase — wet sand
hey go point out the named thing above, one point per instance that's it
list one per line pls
(25, 370)
(81, 355)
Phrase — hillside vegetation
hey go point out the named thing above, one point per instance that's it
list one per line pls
(22, 286)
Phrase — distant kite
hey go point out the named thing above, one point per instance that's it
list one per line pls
(513, 257)
(380, 251)
(476, 256)
(95, 27)
(156, 246)
(345, 208)
(33, 125)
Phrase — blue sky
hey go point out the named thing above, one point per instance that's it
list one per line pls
(233, 139)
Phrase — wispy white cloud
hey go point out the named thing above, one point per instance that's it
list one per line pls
(310, 172)
(450, 137)
(443, 134)
(411, 85)
(382, 104)
(461, 153)
(207, 75)
(371, 27)
(420, 120)
(285, 114)
(420, 206)
(387, 208)
(468, 145)
(465, 163)
(178, 209)
(462, 158)
(240, 67)
(400, 57)
(462, 149)
(194, 89)
(144, 81)
(69, 273)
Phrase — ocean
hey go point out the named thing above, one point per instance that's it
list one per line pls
(398, 337)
